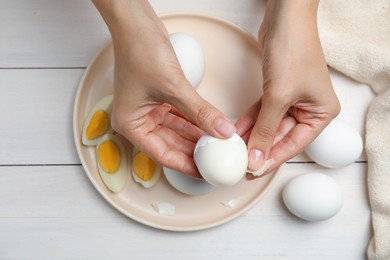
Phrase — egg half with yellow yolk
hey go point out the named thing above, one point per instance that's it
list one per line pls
(144, 170)
(111, 158)
(97, 123)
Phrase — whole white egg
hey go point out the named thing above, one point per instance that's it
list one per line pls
(190, 56)
(186, 184)
(337, 146)
(313, 197)
(221, 162)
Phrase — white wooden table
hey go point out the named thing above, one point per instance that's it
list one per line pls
(49, 208)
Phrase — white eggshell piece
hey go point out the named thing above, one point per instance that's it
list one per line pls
(221, 162)
(116, 181)
(103, 104)
(185, 184)
(190, 56)
(164, 208)
(337, 146)
(313, 197)
(232, 203)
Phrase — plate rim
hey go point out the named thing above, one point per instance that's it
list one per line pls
(152, 224)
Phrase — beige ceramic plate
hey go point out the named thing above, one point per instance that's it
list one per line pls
(232, 83)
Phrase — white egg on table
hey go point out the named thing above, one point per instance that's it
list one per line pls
(337, 146)
(97, 123)
(221, 162)
(111, 158)
(313, 197)
(144, 170)
(190, 56)
(186, 184)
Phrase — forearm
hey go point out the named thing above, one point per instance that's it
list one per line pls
(125, 16)
(297, 16)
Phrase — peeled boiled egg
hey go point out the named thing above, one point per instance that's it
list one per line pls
(221, 162)
(186, 184)
(313, 197)
(144, 170)
(97, 123)
(190, 56)
(112, 162)
(337, 146)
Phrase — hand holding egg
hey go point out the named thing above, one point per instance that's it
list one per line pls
(298, 98)
(154, 105)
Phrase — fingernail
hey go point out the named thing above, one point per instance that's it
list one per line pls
(224, 127)
(255, 159)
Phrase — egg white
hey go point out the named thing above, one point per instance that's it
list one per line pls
(156, 174)
(114, 181)
(103, 104)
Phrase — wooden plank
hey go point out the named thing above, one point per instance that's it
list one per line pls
(49, 33)
(36, 116)
(44, 33)
(54, 212)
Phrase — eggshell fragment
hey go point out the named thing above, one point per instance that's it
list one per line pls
(232, 203)
(164, 208)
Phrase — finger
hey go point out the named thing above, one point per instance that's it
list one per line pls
(175, 141)
(177, 112)
(264, 131)
(144, 137)
(293, 143)
(201, 113)
(183, 128)
(248, 120)
(162, 152)
(287, 124)
(245, 136)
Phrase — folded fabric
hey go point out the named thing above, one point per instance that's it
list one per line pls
(355, 35)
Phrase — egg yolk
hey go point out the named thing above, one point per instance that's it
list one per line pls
(98, 125)
(143, 166)
(109, 156)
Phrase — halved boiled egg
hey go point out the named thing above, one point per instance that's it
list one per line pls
(97, 123)
(144, 170)
(112, 162)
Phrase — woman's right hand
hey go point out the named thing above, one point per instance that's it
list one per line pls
(154, 105)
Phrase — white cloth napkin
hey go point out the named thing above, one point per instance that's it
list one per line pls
(355, 35)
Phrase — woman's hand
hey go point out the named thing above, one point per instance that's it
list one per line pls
(298, 98)
(154, 105)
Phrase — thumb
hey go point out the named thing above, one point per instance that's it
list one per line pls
(263, 133)
(202, 113)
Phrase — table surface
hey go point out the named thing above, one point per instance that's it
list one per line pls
(49, 208)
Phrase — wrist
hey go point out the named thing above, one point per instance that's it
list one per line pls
(289, 14)
(297, 9)
(285, 19)
(121, 16)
